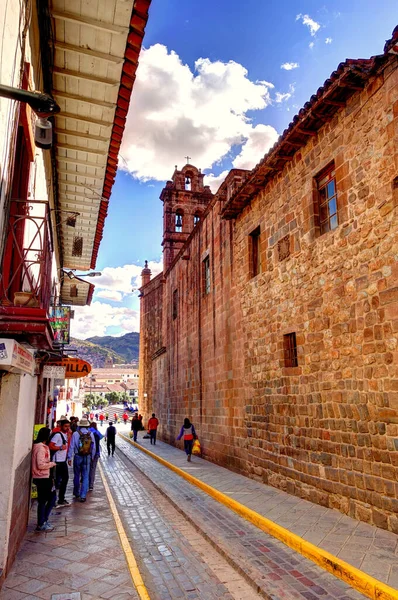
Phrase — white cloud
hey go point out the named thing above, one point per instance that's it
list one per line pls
(214, 181)
(95, 319)
(261, 139)
(110, 295)
(282, 97)
(289, 66)
(175, 111)
(310, 23)
(328, 40)
(123, 279)
(311, 45)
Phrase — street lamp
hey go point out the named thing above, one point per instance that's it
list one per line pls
(42, 104)
(73, 275)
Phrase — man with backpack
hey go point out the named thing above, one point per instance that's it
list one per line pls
(58, 444)
(82, 449)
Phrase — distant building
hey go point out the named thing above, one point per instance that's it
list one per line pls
(274, 325)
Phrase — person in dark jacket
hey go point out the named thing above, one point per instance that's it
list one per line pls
(189, 434)
(135, 426)
(110, 437)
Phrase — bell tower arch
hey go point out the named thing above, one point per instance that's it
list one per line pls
(184, 198)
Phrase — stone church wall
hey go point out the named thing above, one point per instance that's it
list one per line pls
(326, 429)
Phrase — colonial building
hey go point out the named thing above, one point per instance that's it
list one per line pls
(274, 325)
(58, 161)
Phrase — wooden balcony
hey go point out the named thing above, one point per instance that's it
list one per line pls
(26, 285)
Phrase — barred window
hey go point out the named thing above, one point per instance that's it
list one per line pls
(327, 199)
(254, 252)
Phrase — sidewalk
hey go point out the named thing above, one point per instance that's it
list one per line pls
(82, 559)
(374, 551)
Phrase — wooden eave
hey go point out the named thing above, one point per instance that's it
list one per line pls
(349, 78)
(96, 48)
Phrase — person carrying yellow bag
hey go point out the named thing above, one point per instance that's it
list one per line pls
(188, 431)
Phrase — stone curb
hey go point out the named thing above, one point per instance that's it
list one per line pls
(357, 579)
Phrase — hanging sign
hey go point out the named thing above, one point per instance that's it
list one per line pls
(74, 367)
(59, 317)
(54, 372)
(15, 358)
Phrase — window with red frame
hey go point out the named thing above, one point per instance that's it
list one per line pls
(290, 350)
(327, 199)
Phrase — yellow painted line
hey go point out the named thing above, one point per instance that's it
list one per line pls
(367, 585)
(130, 558)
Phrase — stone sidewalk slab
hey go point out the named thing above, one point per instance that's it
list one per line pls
(366, 547)
(82, 558)
(273, 569)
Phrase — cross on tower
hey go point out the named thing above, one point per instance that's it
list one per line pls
(188, 159)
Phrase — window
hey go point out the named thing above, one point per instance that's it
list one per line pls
(206, 275)
(175, 304)
(178, 221)
(196, 219)
(254, 249)
(327, 200)
(290, 350)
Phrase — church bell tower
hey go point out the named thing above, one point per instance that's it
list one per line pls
(184, 198)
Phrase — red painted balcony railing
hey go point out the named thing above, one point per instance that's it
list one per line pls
(26, 269)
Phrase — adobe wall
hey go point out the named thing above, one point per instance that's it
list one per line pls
(326, 430)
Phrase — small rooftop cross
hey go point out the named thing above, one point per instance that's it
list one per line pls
(188, 159)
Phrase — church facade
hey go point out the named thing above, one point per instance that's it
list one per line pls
(274, 325)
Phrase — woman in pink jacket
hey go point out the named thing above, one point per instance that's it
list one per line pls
(43, 479)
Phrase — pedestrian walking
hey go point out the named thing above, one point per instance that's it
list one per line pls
(189, 434)
(82, 450)
(73, 424)
(135, 426)
(140, 419)
(93, 466)
(43, 479)
(153, 424)
(125, 418)
(106, 416)
(101, 419)
(110, 437)
(58, 444)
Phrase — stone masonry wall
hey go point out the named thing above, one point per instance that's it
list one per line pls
(326, 430)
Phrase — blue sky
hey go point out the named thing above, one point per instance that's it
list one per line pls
(218, 80)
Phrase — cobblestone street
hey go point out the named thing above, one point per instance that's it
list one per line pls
(186, 545)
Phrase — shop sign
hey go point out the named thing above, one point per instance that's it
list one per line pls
(15, 358)
(59, 317)
(74, 367)
(54, 372)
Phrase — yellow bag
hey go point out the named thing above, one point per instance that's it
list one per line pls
(196, 447)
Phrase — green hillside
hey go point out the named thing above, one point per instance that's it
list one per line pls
(126, 345)
(95, 354)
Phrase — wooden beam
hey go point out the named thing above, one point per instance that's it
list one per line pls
(283, 157)
(87, 175)
(80, 195)
(85, 76)
(77, 161)
(87, 52)
(351, 86)
(80, 149)
(80, 134)
(293, 144)
(334, 102)
(81, 20)
(61, 94)
(67, 115)
(306, 131)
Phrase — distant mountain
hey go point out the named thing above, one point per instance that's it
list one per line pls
(95, 354)
(126, 345)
